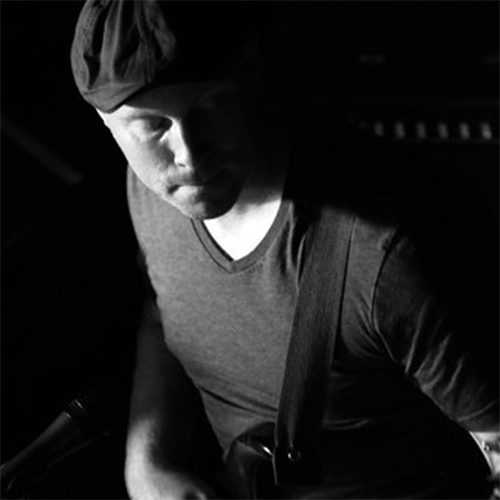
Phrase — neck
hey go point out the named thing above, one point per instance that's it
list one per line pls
(239, 231)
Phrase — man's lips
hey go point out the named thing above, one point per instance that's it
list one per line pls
(203, 172)
(189, 178)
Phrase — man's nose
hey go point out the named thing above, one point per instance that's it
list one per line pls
(179, 145)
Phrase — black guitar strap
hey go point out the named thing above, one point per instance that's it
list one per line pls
(310, 352)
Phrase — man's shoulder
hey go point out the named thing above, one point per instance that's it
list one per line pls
(372, 240)
(372, 231)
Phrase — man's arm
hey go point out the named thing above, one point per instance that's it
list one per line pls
(163, 419)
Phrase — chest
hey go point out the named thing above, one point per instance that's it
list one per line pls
(229, 322)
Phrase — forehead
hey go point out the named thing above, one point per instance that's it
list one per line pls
(172, 100)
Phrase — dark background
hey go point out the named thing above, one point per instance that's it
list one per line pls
(68, 253)
(419, 75)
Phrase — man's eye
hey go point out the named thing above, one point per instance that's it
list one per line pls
(152, 126)
(157, 124)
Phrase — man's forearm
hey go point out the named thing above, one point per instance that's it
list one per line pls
(163, 410)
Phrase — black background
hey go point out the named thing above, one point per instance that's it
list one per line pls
(68, 253)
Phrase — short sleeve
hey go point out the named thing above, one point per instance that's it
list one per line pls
(449, 355)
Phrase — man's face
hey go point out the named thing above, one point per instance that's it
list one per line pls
(191, 144)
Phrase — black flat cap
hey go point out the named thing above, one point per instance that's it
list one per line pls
(121, 47)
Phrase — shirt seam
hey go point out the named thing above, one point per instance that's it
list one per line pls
(373, 320)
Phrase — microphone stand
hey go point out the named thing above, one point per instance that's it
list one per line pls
(88, 418)
(26, 471)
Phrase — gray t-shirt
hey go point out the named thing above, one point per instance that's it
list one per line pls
(398, 362)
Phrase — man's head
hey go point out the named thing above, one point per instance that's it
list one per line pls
(170, 80)
(191, 144)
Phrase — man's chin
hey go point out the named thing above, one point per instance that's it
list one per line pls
(199, 206)
(202, 213)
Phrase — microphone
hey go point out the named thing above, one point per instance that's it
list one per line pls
(88, 418)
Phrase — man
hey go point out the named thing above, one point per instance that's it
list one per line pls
(222, 191)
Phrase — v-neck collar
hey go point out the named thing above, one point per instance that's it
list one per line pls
(227, 263)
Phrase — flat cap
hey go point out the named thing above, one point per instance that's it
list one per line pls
(121, 47)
